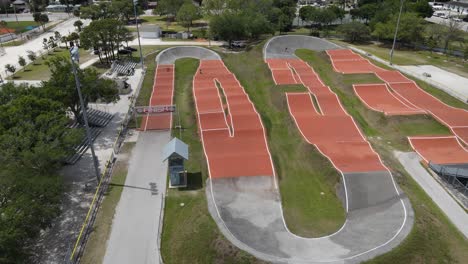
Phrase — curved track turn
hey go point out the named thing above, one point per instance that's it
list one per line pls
(247, 207)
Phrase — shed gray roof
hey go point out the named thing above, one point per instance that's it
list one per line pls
(175, 146)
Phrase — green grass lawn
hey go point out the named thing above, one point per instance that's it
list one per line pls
(97, 241)
(39, 70)
(433, 239)
(13, 43)
(414, 57)
(21, 26)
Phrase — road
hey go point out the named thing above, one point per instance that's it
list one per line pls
(12, 53)
(136, 225)
(29, 17)
(411, 162)
(439, 20)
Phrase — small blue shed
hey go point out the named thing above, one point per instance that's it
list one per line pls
(176, 152)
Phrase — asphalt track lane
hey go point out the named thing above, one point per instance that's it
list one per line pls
(409, 93)
(248, 209)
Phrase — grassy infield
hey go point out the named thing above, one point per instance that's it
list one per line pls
(191, 236)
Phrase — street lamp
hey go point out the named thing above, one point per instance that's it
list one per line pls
(396, 32)
(75, 56)
(138, 32)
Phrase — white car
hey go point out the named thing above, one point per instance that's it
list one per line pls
(457, 19)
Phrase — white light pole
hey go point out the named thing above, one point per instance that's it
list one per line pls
(74, 56)
(138, 32)
(396, 32)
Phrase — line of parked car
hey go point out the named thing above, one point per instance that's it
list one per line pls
(446, 16)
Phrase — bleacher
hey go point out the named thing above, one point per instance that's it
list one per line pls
(82, 147)
(455, 174)
(122, 67)
(97, 120)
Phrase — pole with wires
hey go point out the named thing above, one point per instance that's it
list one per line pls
(138, 32)
(396, 32)
(74, 55)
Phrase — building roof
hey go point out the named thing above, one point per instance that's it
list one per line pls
(175, 146)
(461, 4)
(149, 28)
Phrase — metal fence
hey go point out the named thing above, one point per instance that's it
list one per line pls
(452, 175)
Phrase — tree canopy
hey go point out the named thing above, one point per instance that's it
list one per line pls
(61, 86)
(105, 35)
(187, 13)
(34, 139)
(410, 31)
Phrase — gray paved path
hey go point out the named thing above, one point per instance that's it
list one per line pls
(134, 235)
(458, 216)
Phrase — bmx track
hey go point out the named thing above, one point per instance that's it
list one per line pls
(242, 191)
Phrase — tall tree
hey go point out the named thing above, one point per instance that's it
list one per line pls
(229, 26)
(106, 35)
(61, 86)
(78, 24)
(188, 12)
(34, 139)
(41, 19)
(410, 31)
(169, 7)
(354, 31)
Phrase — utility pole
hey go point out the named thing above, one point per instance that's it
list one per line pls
(74, 56)
(396, 32)
(138, 32)
(14, 10)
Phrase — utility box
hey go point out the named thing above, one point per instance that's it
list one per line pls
(176, 153)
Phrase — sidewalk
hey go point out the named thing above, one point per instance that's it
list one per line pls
(159, 42)
(454, 212)
(135, 230)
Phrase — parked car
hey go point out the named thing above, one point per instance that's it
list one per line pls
(125, 52)
(238, 44)
(130, 48)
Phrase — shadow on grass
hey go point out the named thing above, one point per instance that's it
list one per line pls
(194, 182)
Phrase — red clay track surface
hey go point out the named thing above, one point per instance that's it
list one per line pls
(327, 125)
(232, 133)
(348, 62)
(163, 90)
(408, 92)
(440, 150)
(379, 98)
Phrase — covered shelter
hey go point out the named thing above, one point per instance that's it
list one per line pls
(176, 153)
